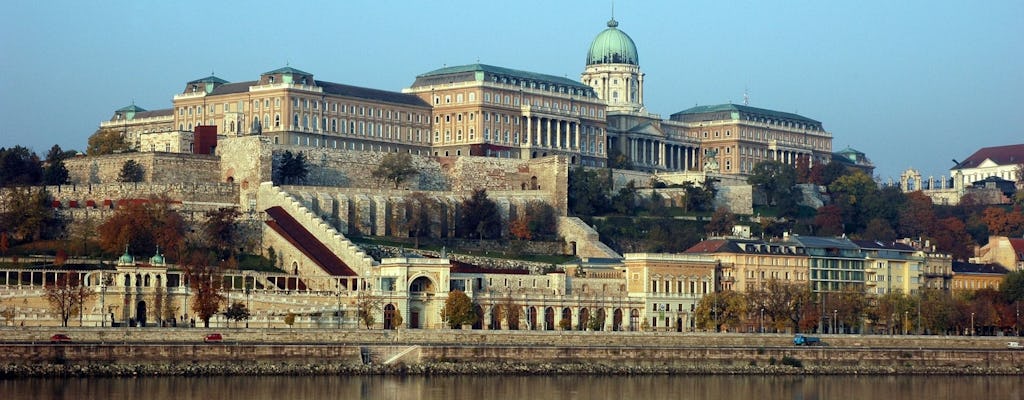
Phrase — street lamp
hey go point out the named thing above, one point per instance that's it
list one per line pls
(905, 322)
(972, 324)
(834, 324)
(762, 319)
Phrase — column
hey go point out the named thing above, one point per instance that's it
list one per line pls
(576, 136)
(529, 131)
(558, 134)
(661, 156)
(547, 133)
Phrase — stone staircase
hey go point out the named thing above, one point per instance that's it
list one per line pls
(388, 355)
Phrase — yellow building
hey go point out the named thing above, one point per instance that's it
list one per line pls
(970, 276)
(484, 110)
(891, 267)
(670, 286)
(748, 265)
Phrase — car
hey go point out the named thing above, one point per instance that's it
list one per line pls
(1014, 345)
(213, 338)
(60, 338)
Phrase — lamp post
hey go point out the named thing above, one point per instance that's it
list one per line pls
(762, 319)
(905, 321)
(972, 324)
(835, 325)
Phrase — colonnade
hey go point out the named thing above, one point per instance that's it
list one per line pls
(660, 154)
(560, 134)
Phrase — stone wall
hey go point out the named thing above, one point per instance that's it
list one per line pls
(157, 168)
(582, 240)
(99, 194)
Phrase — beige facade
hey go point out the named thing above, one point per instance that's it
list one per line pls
(483, 110)
(1002, 250)
(134, 122)
(671, 286)
(891, 268)
(748, 265)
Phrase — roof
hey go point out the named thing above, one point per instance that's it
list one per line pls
(824, 242)
(131, 108)
(960, 267)
(744, 109)
(336, 89)
(1001, 155)
(494, 70)
(711, 246)
(163, 112)
(296, 234)
(879, 245)
(612, 46)
(1018, 245)
(209, 79)
(287, 70)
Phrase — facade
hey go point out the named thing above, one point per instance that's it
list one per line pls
(971, 276)
(670, 287)
(834, 263)
(726, 139)
(134, 122)
(484, 110)
(748, 265)
(891, 267)
(988, 174)
(854, 159)
(1004, 251)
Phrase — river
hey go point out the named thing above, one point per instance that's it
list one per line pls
(529, 387)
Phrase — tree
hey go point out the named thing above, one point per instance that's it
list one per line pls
(395, 167)
(26, 214)
(879, 229)
(588, 192)
(458, 310)
(1012, 286)
(143, 225)
(221, 230)
(829, 221)
(55, 173)
(66, 295)
(855, 195)
(721, 223)
(720, 308)
(289, 319)
(105, 141)
(237, 312)
(417, 219)
(207, 284)
(131, 171)
(624, 202)
(292, 168)
(397, 320)
(1001, 222)
(479, 217)
(534, 220)
(19, 166)
(917, 216)
(367, 309)
(699, 198)
(776, 180)
(952, 237)
(784, 302)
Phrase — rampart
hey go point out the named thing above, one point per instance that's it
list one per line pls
(156, 167)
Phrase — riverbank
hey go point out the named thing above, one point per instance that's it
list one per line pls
(180, 352)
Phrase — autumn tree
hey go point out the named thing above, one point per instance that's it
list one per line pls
(716, 309)
(917, 216)
(366, 310)
(205, 279)
(721, 223)
(534, 220)
(951, 237)
(479, 217)
(879, 229)
(1001, 222)
(396, 168)
(829, 221)
(26, 214)
(143, 225)
(784, 302)
(105, 141)
(66, 295)
(849, 306)
(458, 310)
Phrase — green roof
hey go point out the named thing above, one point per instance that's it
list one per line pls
(493, 70)
(612, 46)
(209, 79)
(287, 70)
(747, 110)
(131, 108)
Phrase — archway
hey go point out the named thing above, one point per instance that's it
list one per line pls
(566, 321)
(617, 319)
(421, 284)
(584, 319)
(495, 318)
(479, 311)
(601, 318)
(414, 318)
(634, 319)
(389, 316)
(140, 313)
(531, 318)
(549, 319)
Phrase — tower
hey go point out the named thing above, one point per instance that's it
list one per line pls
(613, 70)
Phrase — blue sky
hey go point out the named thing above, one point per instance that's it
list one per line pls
(910, 83)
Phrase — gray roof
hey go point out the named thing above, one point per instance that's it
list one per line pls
(744, 109)
(468, 73)
(820, 242)
(336, 89)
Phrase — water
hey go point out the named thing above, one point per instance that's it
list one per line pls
(532, 387)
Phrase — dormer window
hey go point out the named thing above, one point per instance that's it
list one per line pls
(270, 79)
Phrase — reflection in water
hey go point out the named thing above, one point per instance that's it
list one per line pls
(531, 387)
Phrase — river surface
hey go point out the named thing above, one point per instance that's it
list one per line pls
(530, 387)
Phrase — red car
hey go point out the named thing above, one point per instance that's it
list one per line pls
(213, 338)
(60, 338)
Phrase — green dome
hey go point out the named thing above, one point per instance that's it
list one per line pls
(157, 259)
(612, 46)
(126, 259)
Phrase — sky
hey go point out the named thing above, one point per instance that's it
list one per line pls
(913, 84)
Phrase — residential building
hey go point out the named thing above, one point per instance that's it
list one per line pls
(748, 265)
(890, 267)
(1004, 251)
(969, 276)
